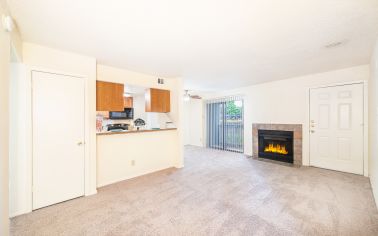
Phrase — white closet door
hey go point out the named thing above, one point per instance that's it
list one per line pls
(58, 138)
(336, 128)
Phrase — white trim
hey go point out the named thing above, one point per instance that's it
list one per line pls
(15, 53)
(51, 71)
(366, 120)
(339, 84)
(308, 128)
(366, 128)
(204, 124)
(223, 97)
(16, 213)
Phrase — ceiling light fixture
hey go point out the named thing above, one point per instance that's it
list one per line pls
(186, 96)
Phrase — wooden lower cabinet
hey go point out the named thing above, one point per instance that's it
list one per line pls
(158, 100)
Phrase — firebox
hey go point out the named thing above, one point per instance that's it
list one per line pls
(276, 145)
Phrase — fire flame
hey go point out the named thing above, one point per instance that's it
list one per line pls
(276, 149)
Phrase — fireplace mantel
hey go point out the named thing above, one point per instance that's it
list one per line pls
(297, 130)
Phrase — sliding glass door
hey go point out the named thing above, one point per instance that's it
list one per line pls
(225, 124)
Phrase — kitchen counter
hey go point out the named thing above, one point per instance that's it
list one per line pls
(133, 131)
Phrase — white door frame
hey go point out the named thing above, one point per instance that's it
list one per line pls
(365, 115)
(29, 132)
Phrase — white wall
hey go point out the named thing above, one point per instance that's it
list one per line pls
(373, 123)
(125, 156)
(6, 41)
(20, 186)
(4, 126)
(118, 75)
(193, 122)
(139, 106)
(186, 130)
(44, 58)
(287, 101)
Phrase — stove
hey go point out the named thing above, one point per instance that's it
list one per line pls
(117, 127)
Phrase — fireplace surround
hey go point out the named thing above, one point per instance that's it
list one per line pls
(282, 142)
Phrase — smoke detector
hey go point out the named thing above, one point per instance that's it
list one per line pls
(7, 22)
(335, 44)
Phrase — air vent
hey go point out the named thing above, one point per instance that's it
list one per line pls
(160, 81)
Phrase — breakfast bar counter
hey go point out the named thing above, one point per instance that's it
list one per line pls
(121, 157)
(133, 131)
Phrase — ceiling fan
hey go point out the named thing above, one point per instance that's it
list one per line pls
(188, 96)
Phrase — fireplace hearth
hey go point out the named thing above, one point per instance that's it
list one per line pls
(276, 145)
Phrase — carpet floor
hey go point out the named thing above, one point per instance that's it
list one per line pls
(216, 193)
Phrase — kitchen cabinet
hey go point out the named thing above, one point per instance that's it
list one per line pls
(109, 96)
(158, 100)
(128, 102)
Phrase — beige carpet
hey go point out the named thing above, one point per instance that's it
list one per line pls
(217, 193)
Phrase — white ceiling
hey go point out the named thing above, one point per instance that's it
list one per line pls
(212, 44)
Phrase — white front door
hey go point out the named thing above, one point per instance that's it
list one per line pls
(336, 128)
(58, 138)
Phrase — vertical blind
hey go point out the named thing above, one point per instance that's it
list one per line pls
(225, 123)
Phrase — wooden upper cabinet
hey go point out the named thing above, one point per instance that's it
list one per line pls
(158, 100)
(128, 102)
(109, 96)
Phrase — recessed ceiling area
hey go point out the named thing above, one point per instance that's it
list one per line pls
(212, 45)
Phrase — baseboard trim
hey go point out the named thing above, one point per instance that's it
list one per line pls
(91, 193)
(375, 192)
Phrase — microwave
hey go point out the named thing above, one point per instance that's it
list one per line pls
(127, 114)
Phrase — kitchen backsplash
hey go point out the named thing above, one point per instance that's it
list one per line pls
(152, 119)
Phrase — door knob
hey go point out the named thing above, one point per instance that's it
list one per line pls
(312, 131)
(80, 143)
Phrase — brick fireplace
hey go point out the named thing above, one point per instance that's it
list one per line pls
(279, 142)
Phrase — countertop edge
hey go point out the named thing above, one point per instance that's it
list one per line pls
(136, 131)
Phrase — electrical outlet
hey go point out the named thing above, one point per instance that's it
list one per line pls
(133, 162)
